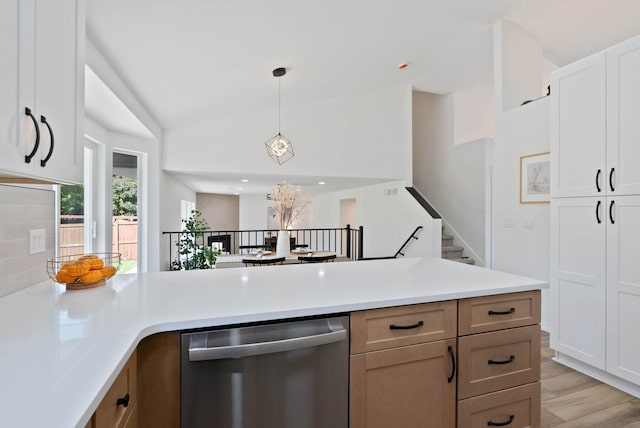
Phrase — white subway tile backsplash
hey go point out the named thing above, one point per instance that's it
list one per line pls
(23, 209)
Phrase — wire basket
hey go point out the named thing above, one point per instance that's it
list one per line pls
(81, 271)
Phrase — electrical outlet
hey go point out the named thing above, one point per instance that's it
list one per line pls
(37, 241)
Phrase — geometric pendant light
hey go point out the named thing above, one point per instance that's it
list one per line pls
(279, 147)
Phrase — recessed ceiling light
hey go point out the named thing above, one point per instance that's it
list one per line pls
(321, 182)
(239, 188)
(244, 180)
(236, 193)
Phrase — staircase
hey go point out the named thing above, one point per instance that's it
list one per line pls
(453, 252)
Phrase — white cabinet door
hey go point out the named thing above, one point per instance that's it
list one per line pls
(623, 287)
(55, 89)
(578, 227)
(578, 128)
(12, 159)
(623, 118)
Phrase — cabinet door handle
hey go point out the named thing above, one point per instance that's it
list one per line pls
(611, 180)
(406, 327)
(611, 212)
(44, 161)
(124, 401)
(598, 180)
(509, 312)
(453, 364)
(598, 212)
(30, 156)
(507, 361)
(501, 424)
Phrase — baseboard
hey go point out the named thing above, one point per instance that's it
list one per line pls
(602, 376)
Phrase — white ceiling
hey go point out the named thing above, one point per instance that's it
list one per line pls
(190, 58)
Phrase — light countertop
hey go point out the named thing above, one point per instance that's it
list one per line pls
(61, 350)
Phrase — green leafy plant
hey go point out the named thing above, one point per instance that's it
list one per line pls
(192, 253)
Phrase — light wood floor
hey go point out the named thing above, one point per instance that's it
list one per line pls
(573, 400)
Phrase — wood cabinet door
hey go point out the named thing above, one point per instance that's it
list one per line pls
(623, 124)
(623, 288)
(410, 386)
(578, 128)
(578, 287)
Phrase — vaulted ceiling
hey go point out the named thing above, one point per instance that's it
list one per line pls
(191, 58)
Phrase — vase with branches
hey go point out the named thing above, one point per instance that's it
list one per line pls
(288, 203)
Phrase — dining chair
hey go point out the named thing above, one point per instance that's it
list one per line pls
(317, 259)
(263, 261)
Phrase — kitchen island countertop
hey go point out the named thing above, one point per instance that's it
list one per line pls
(61, 350)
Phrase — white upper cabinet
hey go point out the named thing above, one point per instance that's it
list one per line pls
(42, 113)
(623, 118)
(578, 128)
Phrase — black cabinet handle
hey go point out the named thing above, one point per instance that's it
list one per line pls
(406, 327)
(510, 360)
(501, 424)
(598, 213)
(44, 161)
(611, 212)
(611, 180)
(598, 180)
(453, 364)
(509, 312)
(30, 156)
(124, 401)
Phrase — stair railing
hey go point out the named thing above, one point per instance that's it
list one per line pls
(414, 236)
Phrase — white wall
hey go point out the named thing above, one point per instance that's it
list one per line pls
(520, 131)
(451, 177)
(473, 114)
(173, 191)
(388, 214)
(368, 135)
(518, 66)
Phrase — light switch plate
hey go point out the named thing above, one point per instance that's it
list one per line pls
(37, 241)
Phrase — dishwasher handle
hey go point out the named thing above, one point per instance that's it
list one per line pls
(251, 349)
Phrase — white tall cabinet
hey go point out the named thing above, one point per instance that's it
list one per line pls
(595, 214)
(42, 89)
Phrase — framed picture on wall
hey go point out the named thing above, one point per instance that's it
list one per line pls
(535, 183)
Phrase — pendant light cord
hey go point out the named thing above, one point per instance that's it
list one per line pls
(279, 108)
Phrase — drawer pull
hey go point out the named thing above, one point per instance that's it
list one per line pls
(406, 327)
(453, 364)
(501, 424)
(510, 360)
(509, 312)
(124, 401)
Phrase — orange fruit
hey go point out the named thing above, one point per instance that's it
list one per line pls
(95, 264)
(88, 257)
(77, 269)
(108, 272)
(64, 277)
(91, 276)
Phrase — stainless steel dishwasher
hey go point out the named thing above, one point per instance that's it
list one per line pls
(281, 375)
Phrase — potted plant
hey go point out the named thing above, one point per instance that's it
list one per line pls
(191, 254)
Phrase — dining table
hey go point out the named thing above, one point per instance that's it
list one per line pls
(236, 260)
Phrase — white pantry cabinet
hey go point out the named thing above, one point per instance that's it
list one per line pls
(42, 83)
(595, 214)
(623, 288)
(578, 272)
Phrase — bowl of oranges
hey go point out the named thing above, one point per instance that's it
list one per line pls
(83, 271)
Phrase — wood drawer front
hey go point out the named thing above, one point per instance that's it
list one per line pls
(371, 330)
(109, 414)
(521, 405)
(404, 387)
(490, 313)
(480, 356)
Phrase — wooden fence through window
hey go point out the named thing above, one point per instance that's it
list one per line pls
(124, 236)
